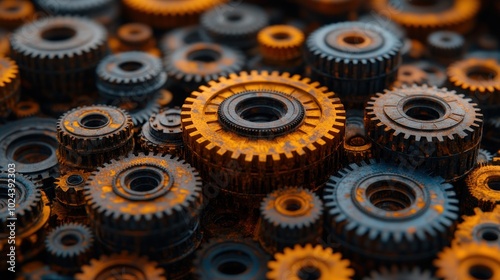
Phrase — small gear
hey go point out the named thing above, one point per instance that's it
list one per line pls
(405, 273)
(469, 262)
(422, 17)
(308, 262)
(409, 75)
(435, 74)
(446, 46)
(31, 145)
(230, 259)
(69, 188)
(167, 14)
(484, 157)
(146, 204)
(57, 56)
(10, 82)
(231, 131)
(353, 59)
(14, 13)
(426, 128)
(357, 146)
(134, 37)
(483, 187)
(121, 266)
(179, 38)
(379, 212)
(290, 216)
(26, 108)
(69, 247)
(197, 64)
(236, 26)
(163, 133)
(90, 136)
(478, 228)
(280, 42)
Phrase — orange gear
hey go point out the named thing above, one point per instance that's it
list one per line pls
(420, 17)
(482, 187)
(280, 42)
(469, 262)
(167, 14)
(13, 13)
(26, 108)
(480, 227)
(134, 37)
(10, 83)
(309, 262)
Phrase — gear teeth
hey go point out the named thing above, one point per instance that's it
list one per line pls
(478, 193)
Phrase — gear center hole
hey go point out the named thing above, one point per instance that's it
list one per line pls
(481, 73)
(281, 36)
(494, 183)
(94, 121)
(206, 56)
(357, 141)
(234, 17)
(490, 236)
(309, 272)
(232, 262)
(74, 180)
(261, 109)
(70, 240)
(481, 272)
(58, 34)
(390, 195)
(12, 7)
(130, 66)
(424, 109)
(354, 40)
(143, 180)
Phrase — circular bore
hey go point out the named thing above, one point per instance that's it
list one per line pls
(354, 40)
(138, 183)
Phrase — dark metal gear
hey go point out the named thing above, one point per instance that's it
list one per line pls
(234, 25)
(179, 38)
(426, 128)
(446, 46)
(481, 227)
(409, 75)
(57, 56)
(69, 188)
(308, 262)
(290, 216)
(197, 64)
(405, 273)
(92, 135)
(69, 247)
(231, 259)
(121, 266)
(163, 133)
(134, 37)
(253, 133)
(353, 59)
(484, 157)
(30, 144)
(357, 146)
(10, 83)
(380, 213)
(146, 204)
(483, 188)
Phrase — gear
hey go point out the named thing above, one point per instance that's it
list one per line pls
(69, 247)
(92, 135)
(409, 75)
(469, 262)
(231, 131)
(353, 59)
(57, 56)
(167, 14)
(197, 64)
(280, 42)
(483, 187)
(121, 266)
(484, 157)
(357, 146)
(15, 13)
(309, 262)
(179, 38)
(422, 17)
(231, 259)
(290, 216)
(235, 26)
(10, 82)
(69, 188)
(31, 145)
(436, 75)
(446, 46)
(134, 37)
(163, 133)
(395, 273)
(26, 108)
(478, 228)
(379, 212)
(146, 204)
(425, 128)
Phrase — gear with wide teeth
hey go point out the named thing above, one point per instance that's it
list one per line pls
(481, 227)
(26, 108)
(228, 129)
(10, 83)
(280, 42)
(163, 133)
(484, 157)
(426, 128)
(482, 188)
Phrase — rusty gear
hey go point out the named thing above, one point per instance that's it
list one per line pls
(124, 265)
(478, 228)
(134, 37)
(308, 262)
(405, 273)
(382, 212)
(290, 216)
(92, 135)
(426, 128)
(446, 46)
(69, 188)
(469, 262)
(26, 108)
(167, 14)
(422, 17)
(353, 59)
(280, 42)
(197, 64)
(10, 82)
(146, 204)
(57, 56)
(483, 187)
(484, 157)
(14, 13)
(179, 38)
(231, 130)
(69, 247)
(31, 144)
(357, 146)
(163, 133)
(409, 75)
(218, 259)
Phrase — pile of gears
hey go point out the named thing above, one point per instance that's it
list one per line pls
(215, 139)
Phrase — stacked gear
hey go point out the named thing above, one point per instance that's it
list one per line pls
(10, 83)
(132, 81)
(163, 133)
(357, 146)
(15, 13)
(57, 56)
(353, 59)
(482, 188)
(146, 204)
(69, 203)
(134, 37)
(290, 216)
(425, 128)
(481, 227)
(92, 135)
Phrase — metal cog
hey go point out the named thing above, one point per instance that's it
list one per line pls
(405, 273)
(357, 146)
(26, 108)
(481, 227)
(163, 133)
(484, 157)
(301, 262)
(482, 187)
(280, 42)
(446, 46)
(15, 13)
(69, 188)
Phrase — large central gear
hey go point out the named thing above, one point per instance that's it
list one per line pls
(238, 143)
